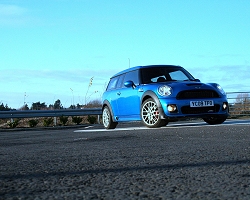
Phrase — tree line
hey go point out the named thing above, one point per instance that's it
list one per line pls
(57, 105)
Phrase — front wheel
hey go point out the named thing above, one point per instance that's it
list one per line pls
(107, 119)
(150, 114)
(215, 120)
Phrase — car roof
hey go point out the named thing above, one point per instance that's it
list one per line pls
(141, 67)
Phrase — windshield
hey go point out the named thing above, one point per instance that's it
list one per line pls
(163, 74)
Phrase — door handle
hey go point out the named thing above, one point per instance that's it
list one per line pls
(140, 90)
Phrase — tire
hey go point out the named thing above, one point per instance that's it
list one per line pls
(107, 119)
(215, 120)
(150, 114)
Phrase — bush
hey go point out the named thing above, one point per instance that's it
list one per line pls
(14, 123)
(77, 120)
(63, 120)
(33, 122)
(47, 121)
(94, 104)
(91, 119)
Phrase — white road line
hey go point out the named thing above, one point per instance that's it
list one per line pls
(180, 125)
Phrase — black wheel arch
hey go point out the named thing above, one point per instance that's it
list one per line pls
(106, 103)
(151, 94)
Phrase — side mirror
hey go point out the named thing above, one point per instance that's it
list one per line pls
(129, 84)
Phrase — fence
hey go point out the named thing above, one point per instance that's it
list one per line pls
(239, 103)
(50, 113)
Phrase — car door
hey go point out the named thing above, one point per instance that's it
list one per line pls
(128, 102)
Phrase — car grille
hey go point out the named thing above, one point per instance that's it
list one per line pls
(197, 94)
(200, 110)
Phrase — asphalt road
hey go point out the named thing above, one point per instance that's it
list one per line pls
(181, 161)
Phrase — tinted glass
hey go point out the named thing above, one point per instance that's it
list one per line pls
(132, 76)
(112, 83)
(161, 74)
(178, 75)
(120, 81)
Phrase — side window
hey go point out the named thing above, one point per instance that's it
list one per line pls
(112, 83)
(120, 81)
(132, 76)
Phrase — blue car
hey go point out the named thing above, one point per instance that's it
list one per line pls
(158, 94)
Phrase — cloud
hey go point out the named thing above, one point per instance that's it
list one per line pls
(52, 81)
(11, 10)
(50, 85)
(12, 15)
(219, 56)
(76, 75)
(230, 77)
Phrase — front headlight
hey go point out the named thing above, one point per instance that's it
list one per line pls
(165, 90)
(220, 89)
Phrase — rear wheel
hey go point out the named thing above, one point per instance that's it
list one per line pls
(215, 120)
(150, 114)
(107, 119)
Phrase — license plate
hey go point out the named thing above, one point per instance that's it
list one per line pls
(204, 103)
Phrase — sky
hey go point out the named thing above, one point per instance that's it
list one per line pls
(50, 49)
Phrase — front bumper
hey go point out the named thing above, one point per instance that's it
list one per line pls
(183, 109)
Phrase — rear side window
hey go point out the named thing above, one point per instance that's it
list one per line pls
(120, 81)
(112, 83)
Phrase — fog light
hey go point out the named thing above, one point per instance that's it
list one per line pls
(224, 106)
(172, 108)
